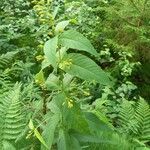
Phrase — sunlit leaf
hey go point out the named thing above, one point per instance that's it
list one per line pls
(75, 40)
(84, 68)
(61, 26)
(50, 51)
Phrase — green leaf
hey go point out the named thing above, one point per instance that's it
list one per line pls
(39, 78)
(103, 118)
(50, 51)
(84, 68)
(52, 82)
(49, 130)
(67, 79)
(62, 145)
(61, 26)
(31, 126)
(75, 40)
(56, 104)
(61, 53)
(55, 12)
(36, 133)
(45, 63)
(90, 138)
(96, 124)
(67, 141)
(40, 138)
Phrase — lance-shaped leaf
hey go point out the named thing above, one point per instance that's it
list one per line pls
(67, 141)
(75, 40)
(84, 68)
(50, 51)
(49, 130)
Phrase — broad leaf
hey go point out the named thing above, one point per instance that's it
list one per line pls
(50, 51)
(49, 130)
(84, 68)
(96, 124)
(67, 141)
(91, 139)
(75, 40)
(55, 105)
(62, 144)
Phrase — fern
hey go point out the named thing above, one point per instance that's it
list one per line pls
(135, 120)
(12, 119)
(6, 59)
(126, 115)
(5, 83)
(143, 117)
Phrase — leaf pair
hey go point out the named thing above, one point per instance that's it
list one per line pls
(75, 64)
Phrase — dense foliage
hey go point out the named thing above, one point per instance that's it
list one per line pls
(74, 75)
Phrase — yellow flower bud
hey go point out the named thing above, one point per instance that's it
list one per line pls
(39, 57)
(70, 103)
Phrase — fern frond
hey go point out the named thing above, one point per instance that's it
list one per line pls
(143, 117)
(12, 119)
(135, 120)
(126, 114)
(5, 59)
(5, 83)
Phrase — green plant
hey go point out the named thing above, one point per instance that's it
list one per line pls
(134, 120)
(65, 124)
(12, 118)
(66, 66)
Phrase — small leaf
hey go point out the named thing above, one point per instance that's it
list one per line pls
(75, 40)
(61, 53)
(45, 63)
(61, 26)
(39, 78)
(31, 126)
(36, 133)
(50, 51)
(40, 138)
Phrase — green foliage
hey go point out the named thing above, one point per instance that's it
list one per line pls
(12, 117)
(127, 29)
(134, 120)
(6, 59)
